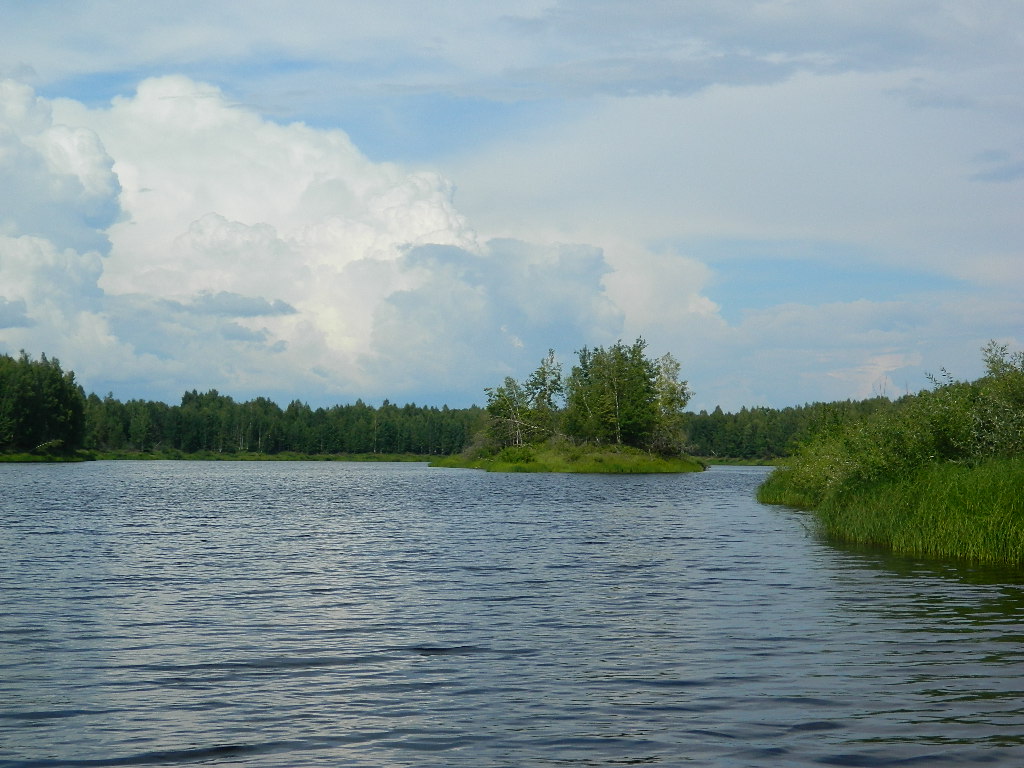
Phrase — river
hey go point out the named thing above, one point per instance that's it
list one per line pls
(332, 614)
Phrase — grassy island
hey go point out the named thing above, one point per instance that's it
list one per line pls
(940, 475)
(573, 459)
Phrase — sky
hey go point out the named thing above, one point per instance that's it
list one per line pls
(800, 200)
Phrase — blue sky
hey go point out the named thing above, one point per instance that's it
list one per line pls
(801, 200)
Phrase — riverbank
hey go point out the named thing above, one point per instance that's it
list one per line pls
(940, 475)
(43, 458)
(942, 510)
(574, 460)
(173, 455)
(728, 462)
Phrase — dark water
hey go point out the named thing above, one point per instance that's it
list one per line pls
(395, 615)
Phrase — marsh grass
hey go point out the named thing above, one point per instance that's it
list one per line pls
(967, 512)
(970, 513)
(567, 458)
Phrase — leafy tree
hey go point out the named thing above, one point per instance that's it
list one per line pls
(544, 393)
(509, 407)
(41, 406)
(528, 411)
(669, 435)
(612, 396)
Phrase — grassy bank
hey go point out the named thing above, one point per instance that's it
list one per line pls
(942, 475)
(942, 510)
(573, 459)
(730, 462)
(44, 458)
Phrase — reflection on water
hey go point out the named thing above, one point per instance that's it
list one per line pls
(395, 615)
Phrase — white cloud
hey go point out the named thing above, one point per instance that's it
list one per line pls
(57, 181)
(837, 158)
(58, 195)
(260, 258)
(478, 317)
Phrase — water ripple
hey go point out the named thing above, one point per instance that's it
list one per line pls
(172, 613)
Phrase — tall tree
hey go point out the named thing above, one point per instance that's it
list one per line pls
(669, 434)
(509, 408)
(612, 396)
(41, 406)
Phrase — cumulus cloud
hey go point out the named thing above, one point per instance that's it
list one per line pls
(481, 316)
(58, 181)
(269, 258)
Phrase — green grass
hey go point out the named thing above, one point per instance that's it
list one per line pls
(573, 459)
(945, 510)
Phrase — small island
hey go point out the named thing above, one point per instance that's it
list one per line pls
(569, 458)
(618, 411)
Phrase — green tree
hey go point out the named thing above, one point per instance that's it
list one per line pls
(612, 396)
(509, 408)
(41, 406)
(669, 434)
(544, 392)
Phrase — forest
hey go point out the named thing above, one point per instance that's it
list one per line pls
(45, 411)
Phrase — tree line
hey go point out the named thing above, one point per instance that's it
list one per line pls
(214, 423)
(614, 395)
(768, 433)
(44, 410)
(621, 396)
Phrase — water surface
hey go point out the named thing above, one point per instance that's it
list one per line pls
(316, 614)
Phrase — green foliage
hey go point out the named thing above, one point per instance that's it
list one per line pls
(527, 412)
(42, 409)
(44, 412)
(613, 396)
(511, 422)
(941, 509)
(209, 423)
(671, 396)
(768, 433)
(907, 476)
